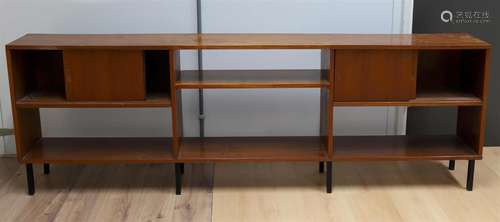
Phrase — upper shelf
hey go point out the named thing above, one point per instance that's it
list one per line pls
(253, 79)
(248, 41)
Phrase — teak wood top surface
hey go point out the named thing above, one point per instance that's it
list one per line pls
(248, 41)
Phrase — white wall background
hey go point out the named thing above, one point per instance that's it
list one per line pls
(260, 112)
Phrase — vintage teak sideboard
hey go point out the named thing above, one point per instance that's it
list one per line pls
(143, 71)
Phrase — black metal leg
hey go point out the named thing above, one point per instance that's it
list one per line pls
(182, 168)
(46, 168)
(321, 167)
(329, 176)
(30, 179)
(451, 165)
(178, 179)
(470, 175)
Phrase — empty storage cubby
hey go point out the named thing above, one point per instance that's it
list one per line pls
(451, 73)
(39, 73)
(157, 73)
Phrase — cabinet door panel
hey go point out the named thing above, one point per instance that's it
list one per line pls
(104, 75)
(371, 75)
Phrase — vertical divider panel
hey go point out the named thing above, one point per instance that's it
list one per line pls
(326, 100)
(26, 121)
(176, 98)
(471, 120)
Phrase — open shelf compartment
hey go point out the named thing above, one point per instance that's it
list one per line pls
(100, 150)
(48, 88)
(444, 77)
(312, 78)
(425, 147)
(451, 76)
(39, 73)
(252, 149)
(157, 69)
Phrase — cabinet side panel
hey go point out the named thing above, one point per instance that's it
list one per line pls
(26, 121)
(470, 125)
(176, 98)
(326, 101)
(471, 121)
(104, 75)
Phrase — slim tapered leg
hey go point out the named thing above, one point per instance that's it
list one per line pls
(470, 174)
(182, 168)
(178, 179)
(30, 179)
(451, 165)
(46, 168)
(329, 176)
(321, 167)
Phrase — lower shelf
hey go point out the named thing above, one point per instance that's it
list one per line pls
(252, 149)
(247, 149)
(100, 150)
(402, 148)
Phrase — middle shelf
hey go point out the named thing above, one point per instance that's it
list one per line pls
(310, 78)
(424, 99)
(57, 100)
(248, 149)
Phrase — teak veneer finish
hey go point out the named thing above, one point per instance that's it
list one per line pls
(253, 79)
(367, 75)
(443, 147)
(248, 41)
(58, 101)
(104, 75)
(431, 99)
(100, 150)
(252, 149)
(143, 71)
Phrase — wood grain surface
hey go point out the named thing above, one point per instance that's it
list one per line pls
(249, 41)
(368, 191)
(104, 75)
(143, 192)
(189, 79)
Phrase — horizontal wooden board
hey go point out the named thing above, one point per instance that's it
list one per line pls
(430, 147)
(45, 100)
(431, 99)
(100, 150)
(248, 41)
(252, 149)
(253, 79)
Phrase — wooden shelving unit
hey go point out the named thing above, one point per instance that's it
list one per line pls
(143, 71)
